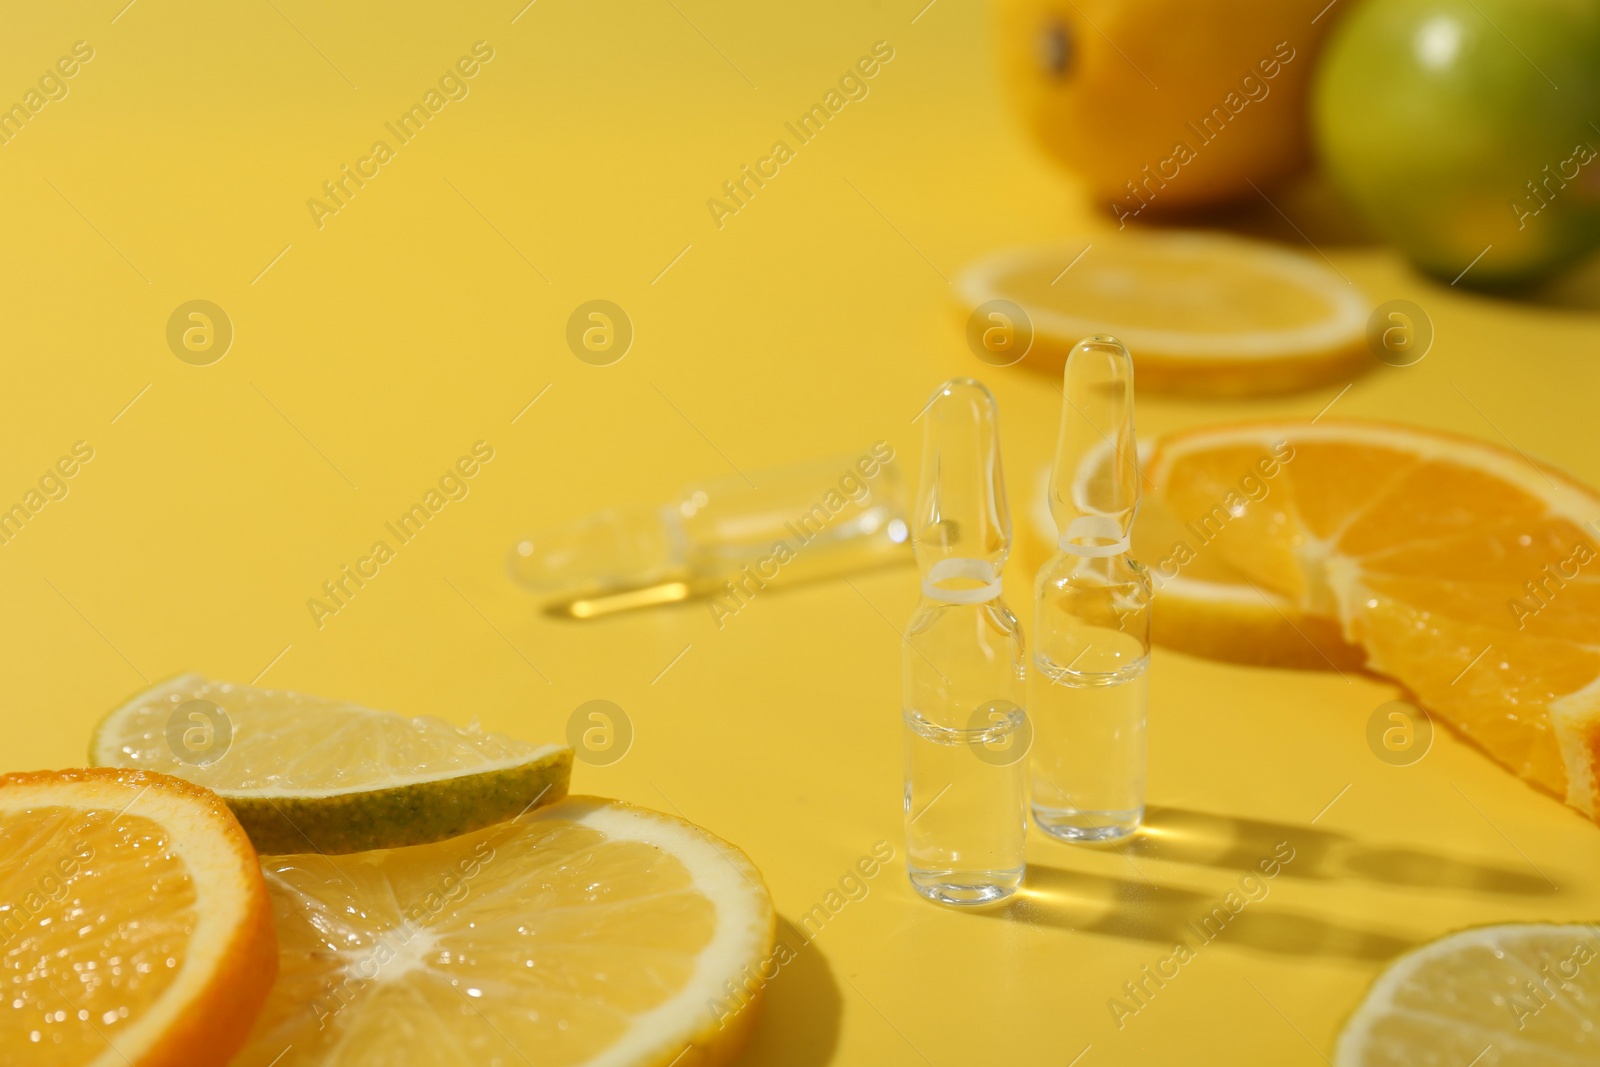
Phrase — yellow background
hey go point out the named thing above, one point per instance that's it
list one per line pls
(419, 320)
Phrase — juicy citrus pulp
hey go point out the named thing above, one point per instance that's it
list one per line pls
(134, 924)
(1523, 995)
(1465, 572)
(1201, 313)
(589, 932)
(304, 773)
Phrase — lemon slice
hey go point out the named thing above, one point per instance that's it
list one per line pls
(135, 926)
(589, 932)
(1520, 995)
(1201, 313)
(304, 773)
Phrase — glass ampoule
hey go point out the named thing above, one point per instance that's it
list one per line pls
(963, 666)
(728, 539)
(1089, 692)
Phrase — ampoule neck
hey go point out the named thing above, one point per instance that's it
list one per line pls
(1094, 484)
(1109, 569)
(962, 518)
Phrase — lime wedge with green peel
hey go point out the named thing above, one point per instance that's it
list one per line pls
(308, 774)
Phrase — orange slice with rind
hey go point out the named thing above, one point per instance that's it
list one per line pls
(136, 924)
(1465, 571)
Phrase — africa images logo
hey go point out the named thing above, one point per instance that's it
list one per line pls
(452, 86)
(453, 484)
(740, 190)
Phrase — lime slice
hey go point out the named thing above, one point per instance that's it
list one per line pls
(1519, 995)
(304, 773)
(586, 933)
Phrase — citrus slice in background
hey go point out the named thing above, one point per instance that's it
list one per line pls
(1520, 995)
(304, 773)
(135, 928)
(1203, 605)
(1464, 571)
(1201, 313)
(589, 932)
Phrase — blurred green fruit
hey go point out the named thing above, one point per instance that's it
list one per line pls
(1457, 126)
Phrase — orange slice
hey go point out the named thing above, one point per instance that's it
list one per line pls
(1464, 571)
(1201, 313)
(135, 922)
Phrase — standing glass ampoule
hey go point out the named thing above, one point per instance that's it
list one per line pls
(963, 665)
(1090, 684)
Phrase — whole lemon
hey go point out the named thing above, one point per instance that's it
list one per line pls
(1163, 104)
(1464, 131)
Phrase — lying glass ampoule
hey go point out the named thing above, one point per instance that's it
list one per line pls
(725, 540)
(1090, 688)
(963, 666)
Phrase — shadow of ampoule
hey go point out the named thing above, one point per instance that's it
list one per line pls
(1233, 842)
(1165, 916)
(799, 1021)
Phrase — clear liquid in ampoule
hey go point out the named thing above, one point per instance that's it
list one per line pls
(1089, 756)
(1088, 695)
(965, 805)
